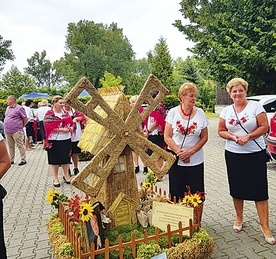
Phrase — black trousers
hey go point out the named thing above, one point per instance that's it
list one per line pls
(3, 252)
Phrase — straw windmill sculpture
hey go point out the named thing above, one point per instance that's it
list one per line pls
(126, 136)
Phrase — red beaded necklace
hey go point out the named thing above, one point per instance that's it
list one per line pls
(186, 114)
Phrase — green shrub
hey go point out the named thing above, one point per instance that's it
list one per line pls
(66, 249)
(54, 216)
(201, 235)
(147, 251)
(57, 228)
(171, 101)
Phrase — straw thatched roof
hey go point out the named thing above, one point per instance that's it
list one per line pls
(95, 136)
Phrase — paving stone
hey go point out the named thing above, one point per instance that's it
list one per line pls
(26, 210)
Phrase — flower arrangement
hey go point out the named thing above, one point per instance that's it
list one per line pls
(54, 197)
(193, 200)
(80, 208)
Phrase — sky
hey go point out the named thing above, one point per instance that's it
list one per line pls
(34, 25)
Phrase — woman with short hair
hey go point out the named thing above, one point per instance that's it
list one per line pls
(185, 134)
(243, 125)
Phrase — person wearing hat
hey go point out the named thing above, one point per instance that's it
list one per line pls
(105, 220)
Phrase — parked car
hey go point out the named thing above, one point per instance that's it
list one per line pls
(271, 138)
(269, 104)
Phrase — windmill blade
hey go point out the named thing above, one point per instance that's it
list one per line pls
(140, 144)
(100, 166)
(145, 97)
(111, 120)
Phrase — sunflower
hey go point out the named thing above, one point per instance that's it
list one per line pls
(186, 199)
(85, 211)
(147, 185)
(51, 196)
(195, 200)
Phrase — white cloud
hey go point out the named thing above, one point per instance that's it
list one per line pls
(36, 26)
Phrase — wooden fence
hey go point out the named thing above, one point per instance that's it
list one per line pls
(75, 239)
(70, 231)
(134, 242)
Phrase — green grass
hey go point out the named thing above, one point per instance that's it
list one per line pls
(211, 115)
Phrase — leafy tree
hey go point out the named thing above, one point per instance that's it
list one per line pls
(236, 38)
(42, 70)
(110, 80)
(95, 48)
(190, 71)
(138, 76)
(177, 75)
(161, 62)
(16, 83)
(5, 52)
(207, 95)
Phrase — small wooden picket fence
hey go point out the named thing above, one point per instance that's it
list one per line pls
(75, 239)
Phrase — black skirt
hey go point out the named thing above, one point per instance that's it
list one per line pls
(59, 153)
(247, 175)
(42, 129)
(75, 148)
(182, 176)
(157, 140)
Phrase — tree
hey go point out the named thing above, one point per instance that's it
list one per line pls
(42, 70)
(207, 95)
(161, 62)
(190, 71)
(236, 38)
(93, 49)
(110, 80)
(5, 52)
(16, 83)
(138, 76)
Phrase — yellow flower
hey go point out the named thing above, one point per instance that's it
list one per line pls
(147, 185)
(195, 200)
(186, 199)
(51, 196)
(85, 211)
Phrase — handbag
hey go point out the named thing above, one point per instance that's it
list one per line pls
(3, 192)
(268, 156)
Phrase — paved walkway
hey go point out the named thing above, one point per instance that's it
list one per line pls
(26, 210)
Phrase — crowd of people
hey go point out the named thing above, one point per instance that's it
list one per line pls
(22, 126)
(182, 130)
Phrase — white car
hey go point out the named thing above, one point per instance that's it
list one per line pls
(268, 102)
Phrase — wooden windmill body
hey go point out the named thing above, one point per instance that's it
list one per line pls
(95, 137)
(110, 137)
